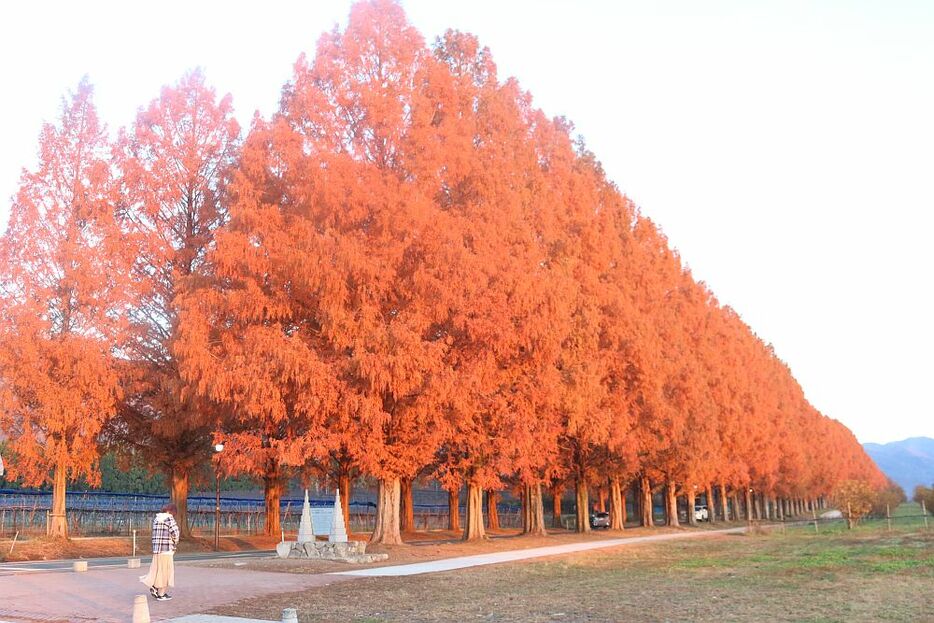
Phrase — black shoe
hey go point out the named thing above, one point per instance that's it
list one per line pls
(153, 592)
(165, 597)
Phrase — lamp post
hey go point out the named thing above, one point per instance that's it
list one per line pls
(218, 448)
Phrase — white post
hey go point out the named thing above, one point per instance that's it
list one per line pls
(140, 609)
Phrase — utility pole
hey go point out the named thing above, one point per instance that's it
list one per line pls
(218, 448)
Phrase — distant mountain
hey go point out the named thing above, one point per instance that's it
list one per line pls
(909, 462)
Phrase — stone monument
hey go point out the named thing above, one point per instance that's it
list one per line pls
(337, 547)
(338, 533)
(306, 531)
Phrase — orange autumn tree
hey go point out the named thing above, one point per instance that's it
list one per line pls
(62, 300)
(173, 162)
(423, 272)
(249, 338)
(365, 120)
(499, 325)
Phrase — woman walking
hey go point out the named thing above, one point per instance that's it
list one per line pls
(165, 535)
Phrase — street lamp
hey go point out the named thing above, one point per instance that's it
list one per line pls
(218, 448)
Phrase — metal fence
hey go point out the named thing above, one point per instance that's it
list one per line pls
(94, 513)
(831, 522)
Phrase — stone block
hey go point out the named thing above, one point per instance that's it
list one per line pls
(329, 550)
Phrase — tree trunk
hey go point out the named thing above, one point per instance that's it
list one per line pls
(601, 503)
(535, 524)
(492, 512)
(734, 500)
(58, 524)
(671, 505)
(454, 511)
(646, 504)
(617, 506)
(474, 528)
(556, 508)
(622, 505)
(272, 488)
(407, 508)
(387, 531)
(179, 480)
(711, 505)
(724, 502)
(343, 483)
(583, 513)
(692, 500)
(748, 503)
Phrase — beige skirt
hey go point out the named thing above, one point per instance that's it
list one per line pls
(161, 571)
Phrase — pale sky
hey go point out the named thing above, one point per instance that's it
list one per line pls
(786, 148)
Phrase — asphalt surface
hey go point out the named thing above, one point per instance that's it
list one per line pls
(53, 566)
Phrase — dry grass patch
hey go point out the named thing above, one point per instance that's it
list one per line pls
(726, 578)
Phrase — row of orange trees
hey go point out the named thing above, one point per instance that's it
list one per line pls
(407, 270)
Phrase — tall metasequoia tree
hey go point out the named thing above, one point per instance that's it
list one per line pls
(173, 161)
(420, 270)
(361, 116)
(249, 339)
(62, 297)
(499, 329)
(473, 291)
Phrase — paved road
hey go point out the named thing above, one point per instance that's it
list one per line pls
(106, 595)
(47, 566)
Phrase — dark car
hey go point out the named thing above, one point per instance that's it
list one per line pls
(599, 520)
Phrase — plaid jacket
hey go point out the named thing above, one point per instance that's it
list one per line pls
(165, 533)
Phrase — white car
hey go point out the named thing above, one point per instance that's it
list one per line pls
(700, 513)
